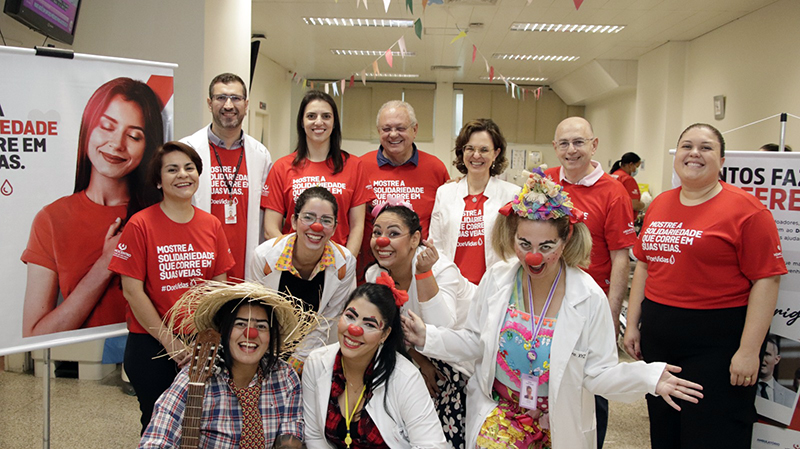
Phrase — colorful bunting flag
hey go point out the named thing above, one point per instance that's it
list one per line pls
(402, 44)
(436, 2)
(304, 84)
(424, 5)
(386, 5)
(352, 81)
(491, 74)
(461, 35)
(375, 67)
(474, 53)
(410, 6)
(335, 89)
(342, 87)
(418, 28)
(312, 85)
(538, 93)
(326, 89)
(364, 77)
(513, 91)
(389, 57)
(578, 4)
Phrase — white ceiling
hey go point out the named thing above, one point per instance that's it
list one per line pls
(305, 49)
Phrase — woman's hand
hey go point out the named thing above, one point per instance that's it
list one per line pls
(631, 342)
(744, 368)
(176, 350)
(414, 329)
(669, 385)
(427, 257)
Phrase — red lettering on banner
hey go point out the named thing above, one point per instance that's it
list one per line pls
(33, 128)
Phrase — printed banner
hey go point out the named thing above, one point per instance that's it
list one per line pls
(76, 136)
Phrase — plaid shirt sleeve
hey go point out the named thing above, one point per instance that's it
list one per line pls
(164, 430)
(282, 405)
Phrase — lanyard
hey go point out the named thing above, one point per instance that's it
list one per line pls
(348, 416)
(229, 184)
(538, 326)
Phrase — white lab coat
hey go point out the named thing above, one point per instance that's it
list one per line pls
(258, 162)
(583, 356)
(407, 421)
(340, 281)
(448, 211)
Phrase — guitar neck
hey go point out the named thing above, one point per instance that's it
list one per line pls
(191, 416)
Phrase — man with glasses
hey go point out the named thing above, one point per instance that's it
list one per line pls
(237, 166)
(399, 169)
(608, 215)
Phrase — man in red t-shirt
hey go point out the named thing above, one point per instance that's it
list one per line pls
(608, 215)
(231, 187)
(399, 169)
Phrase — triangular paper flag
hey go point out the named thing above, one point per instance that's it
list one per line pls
(491, 74)
(409, 6)
(342, 87)
(352, 81)
(402, 44)
(388, 55)
(487, 64)
(474, 53)
(304, 84)
(424, 5)
(375, 67)
(335, 89)
(436, 2)
(364, 77)
(538, 92)
(461, 35)
(513, 91)
(386, 5)
(578, 4)
(418, 28)
(523, 94)
(294, 76)
(312, 85)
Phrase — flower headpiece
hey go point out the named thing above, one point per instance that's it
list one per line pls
(391, 200)
(542, 199)
(400, 296)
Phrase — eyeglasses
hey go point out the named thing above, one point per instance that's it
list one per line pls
(391, 235)
(577, 143)
(222, 98)
(483, 151)
(308, 219)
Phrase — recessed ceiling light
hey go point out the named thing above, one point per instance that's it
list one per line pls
(516, 78)
(389, 75)
(566, 28)
(343, 52)
(353, 22)
(551, 58)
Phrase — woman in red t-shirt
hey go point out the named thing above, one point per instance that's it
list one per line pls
(72, 239)
(162, 251)
(318, 160)
(703, 295)
(624, 170)
(465, 211)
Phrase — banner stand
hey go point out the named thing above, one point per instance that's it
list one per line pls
(46, 400)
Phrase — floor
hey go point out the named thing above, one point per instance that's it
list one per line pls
(97, 414)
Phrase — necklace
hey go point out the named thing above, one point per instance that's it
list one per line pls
(348, 415)
(538, 326)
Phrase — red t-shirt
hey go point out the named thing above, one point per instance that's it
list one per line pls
(609, 217)
(67, 236)
(416, 184)
(285, 183)
(706, 256)
(470, 254)
(169, 257)
(235, 233)
(630, 184)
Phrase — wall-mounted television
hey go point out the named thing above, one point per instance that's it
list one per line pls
(53, 18)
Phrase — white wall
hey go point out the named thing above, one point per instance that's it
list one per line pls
(272, 86)
(613, 119)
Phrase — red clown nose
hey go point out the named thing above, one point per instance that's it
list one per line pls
(251, 333)
(383, 241)
(316, 226)
(355, 331)
(534, 259)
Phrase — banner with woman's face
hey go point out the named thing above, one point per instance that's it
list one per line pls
(76, 136)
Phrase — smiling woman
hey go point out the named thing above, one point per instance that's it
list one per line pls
(152, 281)
(72, 239)
(318, 160)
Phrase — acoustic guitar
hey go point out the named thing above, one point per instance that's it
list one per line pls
(201, 368)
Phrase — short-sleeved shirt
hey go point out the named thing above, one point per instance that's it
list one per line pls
(67, 237)
(706, 256)
(286, 182)
(169, 257)
(226, 186)
(630, 184)
(608, 215)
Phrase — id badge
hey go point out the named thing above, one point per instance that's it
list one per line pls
(529, 391)
(230, 212)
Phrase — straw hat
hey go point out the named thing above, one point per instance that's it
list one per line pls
(196, 309)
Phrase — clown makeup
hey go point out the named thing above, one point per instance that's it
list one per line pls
(361, 330)
(537, 246)
(367, 324)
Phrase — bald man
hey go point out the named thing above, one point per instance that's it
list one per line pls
(608, 215)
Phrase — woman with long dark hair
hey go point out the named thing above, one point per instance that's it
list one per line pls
(363, 391)
(319, 160)
(72, 239)
(308, 265)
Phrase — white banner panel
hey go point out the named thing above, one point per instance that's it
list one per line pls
(75, 138)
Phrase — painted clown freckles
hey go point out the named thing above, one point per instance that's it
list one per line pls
(538, 247)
